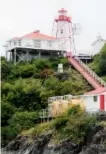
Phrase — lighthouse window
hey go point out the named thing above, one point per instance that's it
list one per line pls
(61, 31)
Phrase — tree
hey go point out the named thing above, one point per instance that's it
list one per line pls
(5, 69)
(102, 60)
(99, 62)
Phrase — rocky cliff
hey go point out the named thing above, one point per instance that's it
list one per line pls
(95, 143)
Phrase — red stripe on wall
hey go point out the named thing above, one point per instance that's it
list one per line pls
(102, 102)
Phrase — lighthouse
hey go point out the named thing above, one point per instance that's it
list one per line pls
(63, 31)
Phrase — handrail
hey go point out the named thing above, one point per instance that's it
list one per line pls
(47, 113)
(95, 76)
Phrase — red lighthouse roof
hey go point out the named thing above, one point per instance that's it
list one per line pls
(63, 16)
(62, 11)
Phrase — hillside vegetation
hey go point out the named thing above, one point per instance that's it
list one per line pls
(99, 63)
(25, 89)
(74, 124)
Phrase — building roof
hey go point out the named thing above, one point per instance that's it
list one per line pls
(98, 41)
(14, 38)
(99, 38)
(97, 91)
(37, 35)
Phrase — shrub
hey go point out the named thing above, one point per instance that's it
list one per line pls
(46, 73)
(26, 70)
(103, 123)
(78, 127)
(24, 94)
(42, 64)
(8, 133)
(23, 120)
(75, 110)
(74, 124)
(7, 111)
(38, 129)
(60, 122)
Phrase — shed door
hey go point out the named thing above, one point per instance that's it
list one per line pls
(102, 102)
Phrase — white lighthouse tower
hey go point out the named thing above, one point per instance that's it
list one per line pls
(63, 31)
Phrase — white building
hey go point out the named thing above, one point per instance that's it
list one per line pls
(33, 45)
(95, 102)
(97, 45)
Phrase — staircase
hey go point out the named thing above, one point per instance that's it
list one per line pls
(97, 83)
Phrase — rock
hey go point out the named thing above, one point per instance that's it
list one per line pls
(95, 144)
(91, 132)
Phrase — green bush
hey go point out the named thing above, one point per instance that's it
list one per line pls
(60, 122)
(74, 110)
(5, 69)
(99, 62)
(102, 61)
(42, 64)
(23, 120)
(64, 61)
(25, 94)
(8, 133)
(74, 124)
(78, 127)
(26, 70)
(7, 110)
(51, 83)
(38, 129)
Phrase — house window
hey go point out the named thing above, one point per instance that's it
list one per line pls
(37, 43)
(49, 43)
(15, 43)
(19, 43)
(95, 98)
(61, 31)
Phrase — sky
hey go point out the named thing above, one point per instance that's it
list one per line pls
(19, 17)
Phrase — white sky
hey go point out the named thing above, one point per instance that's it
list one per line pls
(19, 17)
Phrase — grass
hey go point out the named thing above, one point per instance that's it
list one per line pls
(102, 123)
(38, 130)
